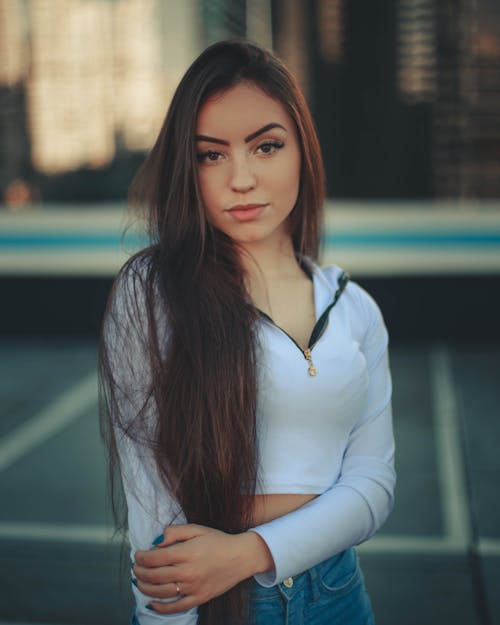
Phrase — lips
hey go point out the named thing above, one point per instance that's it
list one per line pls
(246, 212)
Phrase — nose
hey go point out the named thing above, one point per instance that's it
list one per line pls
(243, 178)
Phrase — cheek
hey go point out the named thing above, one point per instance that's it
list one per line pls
(289, 177)
(211, 194)
(208, 187)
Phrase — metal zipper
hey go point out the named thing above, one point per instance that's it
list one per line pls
(317, 333)
(311, 369)
(319, 327)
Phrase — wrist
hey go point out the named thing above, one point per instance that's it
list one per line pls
(256, 554)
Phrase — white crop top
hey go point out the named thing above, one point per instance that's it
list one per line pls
(328, 434)
(303, 419)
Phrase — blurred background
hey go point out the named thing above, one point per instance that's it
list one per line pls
(406, 99)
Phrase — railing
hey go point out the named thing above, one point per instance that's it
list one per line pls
(366, 238)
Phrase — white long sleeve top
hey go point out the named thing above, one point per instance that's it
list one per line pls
(329, 434)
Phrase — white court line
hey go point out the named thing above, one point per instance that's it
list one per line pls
(449, 457)
(103, 534)
(57, 532)
(50, 420)
(24, 623)
(449, 460)
(489, 546)
(409, 544)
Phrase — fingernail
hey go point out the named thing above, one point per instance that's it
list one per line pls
(159, 539)
(150, 607)
(134, 581)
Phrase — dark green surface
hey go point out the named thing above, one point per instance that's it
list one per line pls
(35, 373)
(62, 481)
(477, 373)
(420, 590)
(491, 573)
(62, 583)
(417, 486)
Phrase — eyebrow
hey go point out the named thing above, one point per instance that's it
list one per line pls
(247, 139)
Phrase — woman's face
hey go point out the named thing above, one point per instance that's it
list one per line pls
(248, 165)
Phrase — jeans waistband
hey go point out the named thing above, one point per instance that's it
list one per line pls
(327, 572)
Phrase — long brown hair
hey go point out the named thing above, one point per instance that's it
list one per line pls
(200, 349)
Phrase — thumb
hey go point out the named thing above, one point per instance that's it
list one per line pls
(177, 533)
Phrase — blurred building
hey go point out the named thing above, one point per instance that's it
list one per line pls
(405, 93)
(88, 82)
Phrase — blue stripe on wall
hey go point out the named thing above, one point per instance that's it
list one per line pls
(412, 238)
(69, 240)
(80, 240)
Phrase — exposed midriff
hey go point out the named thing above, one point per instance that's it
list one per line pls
(269, 507)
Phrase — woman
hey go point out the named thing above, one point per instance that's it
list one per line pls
(247, 390)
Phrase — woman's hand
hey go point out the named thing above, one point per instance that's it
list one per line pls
(198, 563)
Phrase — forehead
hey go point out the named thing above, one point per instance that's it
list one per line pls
(240, 110)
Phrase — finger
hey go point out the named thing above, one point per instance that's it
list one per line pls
(156, 575)
(164, 556)
(173, 607)
(165, 591)
(156, 557)
(177, 533)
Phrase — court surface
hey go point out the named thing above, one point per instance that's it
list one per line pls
(437, 560)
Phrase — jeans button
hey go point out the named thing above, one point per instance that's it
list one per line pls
(288, 582)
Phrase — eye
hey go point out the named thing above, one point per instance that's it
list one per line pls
(269, 147)
(210, 156)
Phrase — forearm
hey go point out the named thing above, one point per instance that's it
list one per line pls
(338, 519)
(255, 556)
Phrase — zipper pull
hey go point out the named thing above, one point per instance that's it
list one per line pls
(312, 369)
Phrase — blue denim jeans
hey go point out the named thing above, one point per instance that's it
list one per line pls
(331, 593)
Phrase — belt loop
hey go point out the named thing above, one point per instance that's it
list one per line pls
(314, 581)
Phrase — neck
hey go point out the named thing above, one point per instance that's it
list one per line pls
(267, 268)
(269, 261)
